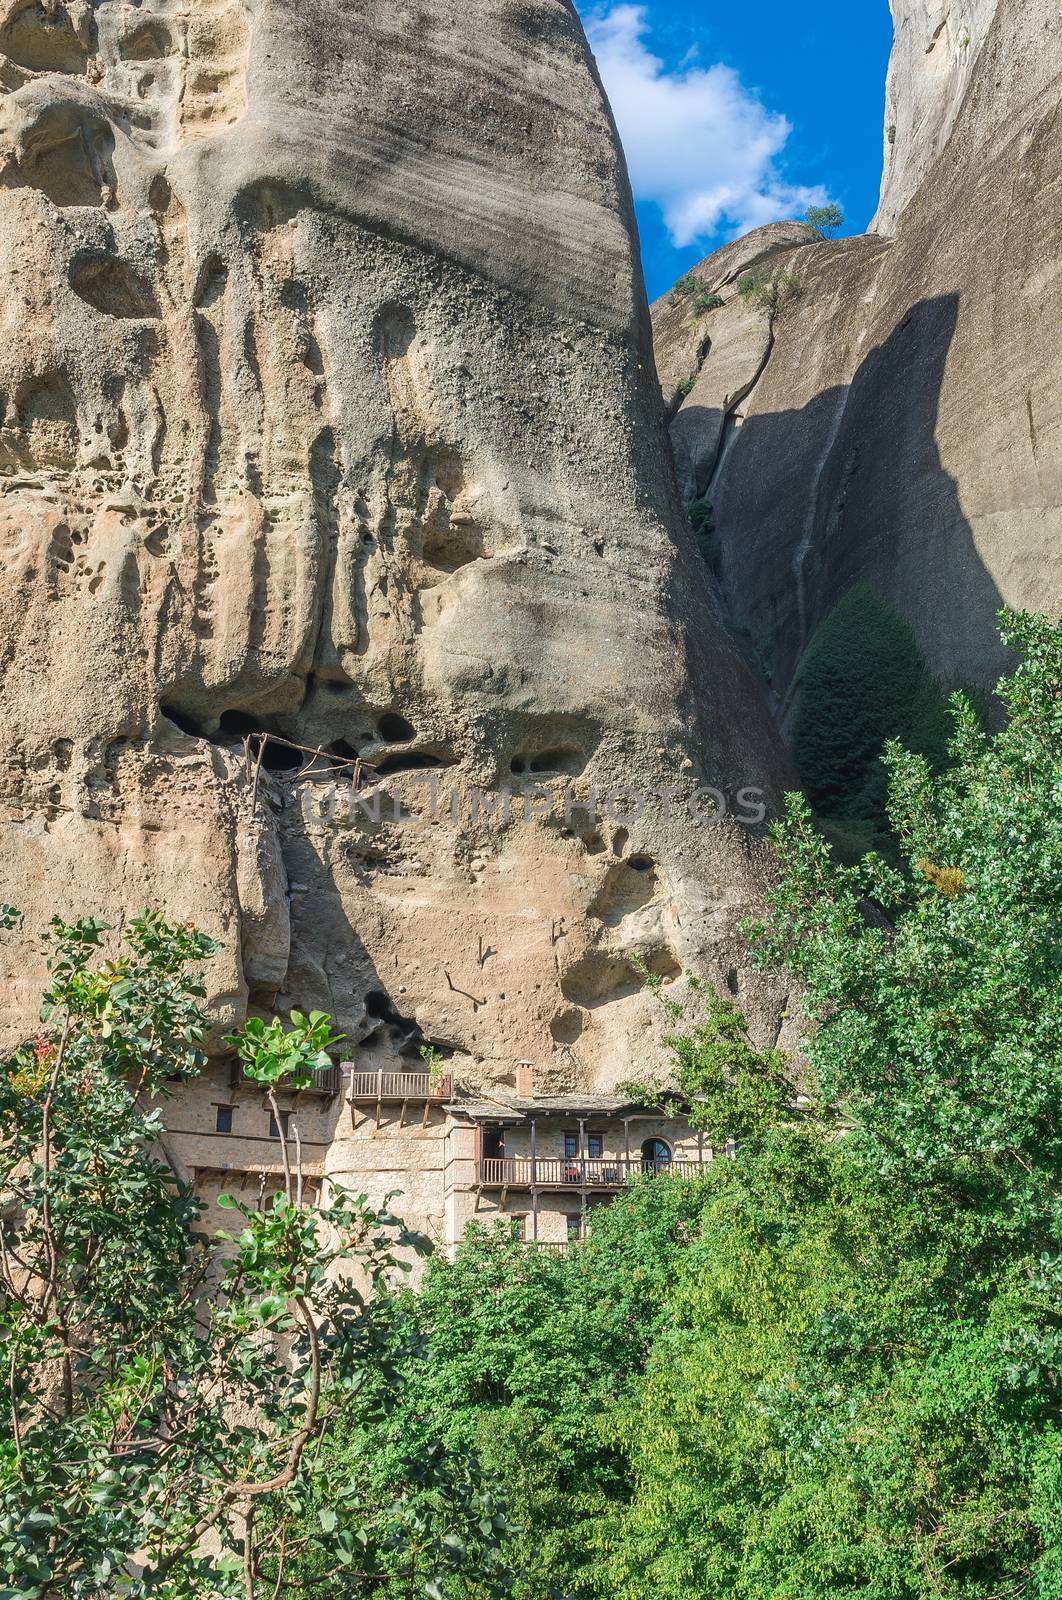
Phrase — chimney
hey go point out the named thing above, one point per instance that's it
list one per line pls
(525, 1081)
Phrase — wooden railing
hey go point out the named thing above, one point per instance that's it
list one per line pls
(326, 1080)
(610, 1172)
(401, 1086)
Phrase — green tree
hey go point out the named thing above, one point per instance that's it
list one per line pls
(530, 1354)
(857, 1389)
(164, 1398)
(863, 680)
(824, 220)
(726, 1087)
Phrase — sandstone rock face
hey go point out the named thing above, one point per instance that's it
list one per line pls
(936, 47)
(328, 415)
(906, 426)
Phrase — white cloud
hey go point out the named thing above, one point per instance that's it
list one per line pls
(698, 143)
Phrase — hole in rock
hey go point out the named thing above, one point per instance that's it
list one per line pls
(238, 724)
(47, 438)
(395, 331)
(641, 863)
(564, 758)
(566, 1026)
(278, 757)
(266, 204)
(453, 545)
(160, 194)
(409, 761)
(622, 893)
(378, 1005)
(599, 978)
(149, 42)
(395, 729)
(343, 750)
(113, 287)
(181, 719)
(210, 285)
(42, 38)
(67, 156)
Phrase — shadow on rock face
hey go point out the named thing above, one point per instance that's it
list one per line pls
(851, 488)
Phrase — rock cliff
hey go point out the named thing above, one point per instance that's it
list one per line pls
(334, 502)
(899, 421)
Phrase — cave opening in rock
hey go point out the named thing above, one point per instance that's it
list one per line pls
(395, 729)
(409, 761)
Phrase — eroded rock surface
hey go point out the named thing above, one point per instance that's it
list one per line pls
(328, 416)
(905, 427)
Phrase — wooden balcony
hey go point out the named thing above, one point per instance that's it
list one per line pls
(383, 1088)
(325, 1082)
(609, 1173)
(402, 1089)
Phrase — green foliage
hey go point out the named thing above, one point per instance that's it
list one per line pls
(702, 520)
(285, 1058)
(702, 517)
(947, 1020)
(831, 1366)
(859, 1389)
(824, 220)
(705, 301)
(686, 386)
(432, 1059)
(863, 680)
(161, 1390)
(770, 293)
(531, 1353)
(687, 285)
(728, 1089)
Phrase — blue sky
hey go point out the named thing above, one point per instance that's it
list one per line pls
(737, 112)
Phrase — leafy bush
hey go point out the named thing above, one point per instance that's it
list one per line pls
(688, 284)
(863, 680)
(705, 301)
(770, 294)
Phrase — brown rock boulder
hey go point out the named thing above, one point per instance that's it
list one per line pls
(328, 423)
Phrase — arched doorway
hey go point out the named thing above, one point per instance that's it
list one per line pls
(656, 1155)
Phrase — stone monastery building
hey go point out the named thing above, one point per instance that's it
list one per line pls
(446, 1159)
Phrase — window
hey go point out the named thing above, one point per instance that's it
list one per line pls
(595, 1146)
(285, 1123)
(223, 1119)
(574, 1228)
(519, 1227)
(656, 1155)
